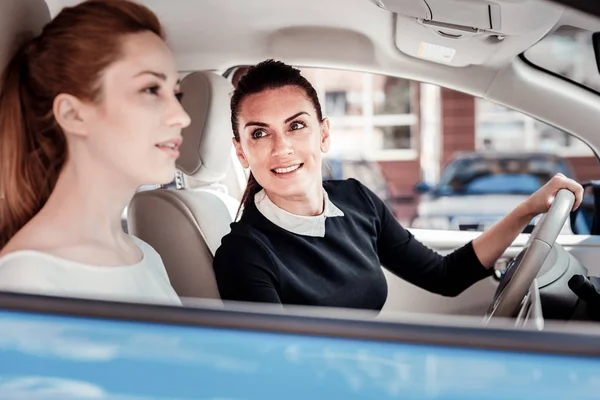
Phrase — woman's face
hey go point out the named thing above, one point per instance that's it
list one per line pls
(281, 141)
(135, 128)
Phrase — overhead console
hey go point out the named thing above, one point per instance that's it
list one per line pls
(465, 32)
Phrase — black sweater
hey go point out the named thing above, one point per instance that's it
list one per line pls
(260, 262)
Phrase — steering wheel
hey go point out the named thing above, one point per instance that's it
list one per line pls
(522, 271)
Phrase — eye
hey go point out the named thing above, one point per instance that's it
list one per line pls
(152, 90)
(179, 96)
(258, 133)
(297, 125)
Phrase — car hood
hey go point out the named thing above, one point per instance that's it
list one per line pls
(469, 205)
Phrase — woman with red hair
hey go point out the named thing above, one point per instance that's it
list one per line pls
(89, 111)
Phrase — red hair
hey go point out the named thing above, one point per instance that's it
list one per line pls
(69, 56)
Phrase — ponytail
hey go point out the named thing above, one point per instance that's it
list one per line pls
(252, 188)
(32, 148)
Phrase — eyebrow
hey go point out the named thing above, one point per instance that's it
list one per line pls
(159, 75)
(252, 123)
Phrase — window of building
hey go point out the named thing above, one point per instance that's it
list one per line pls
(336, 103)
(372, 116)
(500, 128)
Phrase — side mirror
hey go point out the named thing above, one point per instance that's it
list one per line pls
(422, 187)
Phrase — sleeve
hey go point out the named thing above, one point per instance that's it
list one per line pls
(411, 260)
(245, 271)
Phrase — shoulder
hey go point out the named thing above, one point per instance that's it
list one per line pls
(341, 185)
(144, 247)
(353, 192)
(249, 232)
(242, 242)
(243, 260)
(149, 253)
(152, 258)
(27, 270)
(345, 187)
(244, 253)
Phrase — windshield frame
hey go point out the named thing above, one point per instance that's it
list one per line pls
(541, 68)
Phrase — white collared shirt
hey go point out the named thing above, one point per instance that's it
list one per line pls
(298, 224)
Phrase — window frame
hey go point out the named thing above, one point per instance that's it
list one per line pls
(347, 324)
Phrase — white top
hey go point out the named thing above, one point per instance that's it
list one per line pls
(298, 224)
(36, 272)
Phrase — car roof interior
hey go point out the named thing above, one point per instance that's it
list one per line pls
(360, 35)
(385, 36)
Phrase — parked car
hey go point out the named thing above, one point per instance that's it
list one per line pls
(476, 189)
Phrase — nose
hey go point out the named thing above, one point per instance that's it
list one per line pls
(282, 146)
(177, 116)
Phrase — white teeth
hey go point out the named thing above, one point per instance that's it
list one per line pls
(169, 145)
(286, 170)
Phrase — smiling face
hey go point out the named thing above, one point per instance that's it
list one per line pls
(281, 141)
(134, 130)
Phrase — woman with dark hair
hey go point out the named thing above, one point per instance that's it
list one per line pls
(89, 111)
(305, 242)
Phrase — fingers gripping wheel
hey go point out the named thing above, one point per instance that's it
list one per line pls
(521, 273)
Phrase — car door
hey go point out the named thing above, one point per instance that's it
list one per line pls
(53, 348)
(403, 296)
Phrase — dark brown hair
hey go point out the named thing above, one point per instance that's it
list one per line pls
(69, 56)
(267, 75)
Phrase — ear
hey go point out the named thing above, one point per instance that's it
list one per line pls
(325, 143)
(68, 110)
(240, 153)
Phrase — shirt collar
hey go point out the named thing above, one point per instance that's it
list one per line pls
(298, 224)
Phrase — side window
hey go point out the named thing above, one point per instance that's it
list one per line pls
(374, 132)
(431, 153)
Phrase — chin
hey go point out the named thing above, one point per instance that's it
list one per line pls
(163, 177)
(293, 190)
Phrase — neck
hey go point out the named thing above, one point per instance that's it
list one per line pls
(87, 203)
(309, 204)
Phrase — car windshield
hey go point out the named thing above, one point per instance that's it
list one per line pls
(496, 176)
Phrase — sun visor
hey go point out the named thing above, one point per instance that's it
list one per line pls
(466, 13)
(468, 32)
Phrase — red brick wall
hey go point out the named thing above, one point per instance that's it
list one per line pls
(458, 123)
(458, 134)
(402, 176)
(585, 168)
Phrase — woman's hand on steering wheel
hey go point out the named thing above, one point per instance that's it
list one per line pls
(540, 201)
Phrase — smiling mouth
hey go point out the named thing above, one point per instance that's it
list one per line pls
(170, 147)
(287, 170)
(167, 146)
